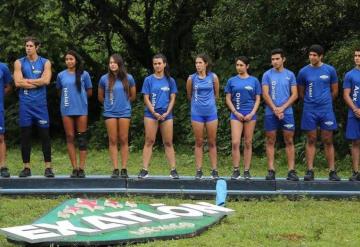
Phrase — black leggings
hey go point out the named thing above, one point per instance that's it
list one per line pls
(26, 143)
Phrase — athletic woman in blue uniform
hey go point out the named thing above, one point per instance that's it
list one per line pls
(159, 91)
(202, 90)
(116, 91)
(32, 74)
(243, 99)
(74, 85)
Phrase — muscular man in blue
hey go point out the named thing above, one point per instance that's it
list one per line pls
(279, 93)
(351, 96)
(318, 87)
(31, 74)
(5, 88)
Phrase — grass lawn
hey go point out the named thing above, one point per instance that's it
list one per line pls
(276, 222)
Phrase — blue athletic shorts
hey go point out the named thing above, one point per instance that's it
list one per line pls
(34, 114)
(204, 119)
(244, 113)
(353, 128)
(311, 120)
(160, 111)
(273, 123)
(2, 122)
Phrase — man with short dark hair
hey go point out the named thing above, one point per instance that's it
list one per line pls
(318, 87)
(31, 74)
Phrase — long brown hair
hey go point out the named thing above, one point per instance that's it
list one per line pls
(79, 67)
(121, 74)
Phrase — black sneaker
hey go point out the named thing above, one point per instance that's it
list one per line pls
(115, 173)
(199, 174)
(270, 175)
(292, 176)
(333, 176)
(174, 174)
(355, 176)
(81, 173)
(49, 173)
(123, 173)
(236, 174)
(26, 172)
(214, 174)
(143, 173)
(4, 172)
(74, 173)
(247, 174)
(309, 175)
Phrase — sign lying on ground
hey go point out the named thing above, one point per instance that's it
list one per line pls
(96, 222)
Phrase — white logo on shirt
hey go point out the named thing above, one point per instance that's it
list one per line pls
(248, 88)
(42, 122)
(328, 123)
(356, 92)
(310, 89)
(287, 78)
(66, 97)
(237, 100)
(288, 126)
(273, 93)
(324, 77)
(165, 89)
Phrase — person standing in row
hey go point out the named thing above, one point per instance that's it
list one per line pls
(32, 74)
(159, 90)
(279, 93)
(5, 88)
(74, 85)
(351, 97)
(202, 90)
(116, 90)
(318, 87)
(243, 99)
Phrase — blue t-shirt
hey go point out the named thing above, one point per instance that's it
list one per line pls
(73, 102)
(352, 81)
(279, 84)
(203, 95)
(116, 103)
(243, 92)
(5, 79)
(159, 91)
(317, 82)
(33, 70)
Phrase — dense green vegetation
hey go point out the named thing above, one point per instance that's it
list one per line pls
(179, 29)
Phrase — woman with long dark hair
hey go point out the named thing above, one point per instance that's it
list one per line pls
(74, 85)
(116, 91)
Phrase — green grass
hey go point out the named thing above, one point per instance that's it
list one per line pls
(275, 222)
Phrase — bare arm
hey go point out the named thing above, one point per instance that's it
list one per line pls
(216, 86)
(148, 104)
(8, 89)
(267, 98)
(232, 108)
(171, 103)
(19, 79)
(101, 95)
(132, 92)
(291, 100)
(350, 103)
(301, 91)
(189, 88)
(249, 116)
(334, 90)
(89, 92)
(45, 77)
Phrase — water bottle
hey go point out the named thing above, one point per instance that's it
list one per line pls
(221, 192)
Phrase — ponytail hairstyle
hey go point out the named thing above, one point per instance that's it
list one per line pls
(79, 67)
(164, 59)
(120, 74)
(207, 60)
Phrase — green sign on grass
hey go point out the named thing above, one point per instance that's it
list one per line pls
(103, 221)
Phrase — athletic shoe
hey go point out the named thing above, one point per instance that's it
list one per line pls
(270, 175)
(247, 174)
(26, 172)
(143, 173)
(309, 175)
(4, 172)
(199, 174)
(355, 176)
(174, 174)
(123, 173)
(81, 173)
(214, 174)
(115, 173)
(74, 173)
(236, 174)
(292, 176)
(49, 173)
(333, 176)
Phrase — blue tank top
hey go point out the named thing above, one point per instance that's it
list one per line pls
(203, 95)
(33, 70)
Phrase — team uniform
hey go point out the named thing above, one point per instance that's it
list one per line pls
(5, 79)
(116, 102)
(203, 104)
(159, 91)
(33, 104)
(318, 108)
(73, 101)
(279, 84)
(243, 94)
(352, 81)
